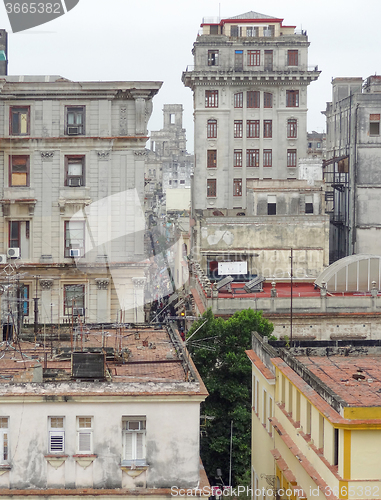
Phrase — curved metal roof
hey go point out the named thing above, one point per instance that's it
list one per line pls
(352, 274)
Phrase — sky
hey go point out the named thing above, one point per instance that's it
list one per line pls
(152, 40)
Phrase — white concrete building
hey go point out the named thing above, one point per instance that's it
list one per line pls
(88, 428)
(72, 189)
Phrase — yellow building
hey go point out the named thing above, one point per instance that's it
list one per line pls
(316, 425)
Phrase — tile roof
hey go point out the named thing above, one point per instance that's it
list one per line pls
(341, 375)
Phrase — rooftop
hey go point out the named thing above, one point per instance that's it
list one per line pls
(356, 380)
(145, 359)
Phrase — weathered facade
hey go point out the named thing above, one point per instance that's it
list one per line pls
(250, 79)
(88, 429)
(351, 169)
(72, 188)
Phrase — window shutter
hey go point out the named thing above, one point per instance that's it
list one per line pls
(84, 441)
(139, 445)
(128, 446)
(56, 441)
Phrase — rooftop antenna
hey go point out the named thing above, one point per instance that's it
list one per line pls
(219, 12)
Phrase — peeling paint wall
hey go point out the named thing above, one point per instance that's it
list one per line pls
(172, 439)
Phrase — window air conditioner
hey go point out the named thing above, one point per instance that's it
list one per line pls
(75, 252)
(3, 259)
(13, 253)
(78, 311)
(74, 181)
(72, 130)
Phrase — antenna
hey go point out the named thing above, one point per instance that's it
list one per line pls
(219, 12)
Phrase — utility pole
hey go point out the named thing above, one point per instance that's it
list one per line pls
(291, 276)
(36, 311)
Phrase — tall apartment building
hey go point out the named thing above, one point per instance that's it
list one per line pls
(3, 52)
(168, 149)
(351, 169)
(72, 188)
(250, 79)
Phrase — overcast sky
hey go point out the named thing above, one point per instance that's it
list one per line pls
(152, 40)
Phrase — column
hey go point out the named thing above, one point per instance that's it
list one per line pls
(46, 286)
(103, 310)
(139, 284)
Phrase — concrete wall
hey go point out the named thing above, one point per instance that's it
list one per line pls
(172, 445)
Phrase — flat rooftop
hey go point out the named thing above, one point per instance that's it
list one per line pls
(134, 356)
(356, 380)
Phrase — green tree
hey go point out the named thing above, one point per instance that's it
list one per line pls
(218, 351)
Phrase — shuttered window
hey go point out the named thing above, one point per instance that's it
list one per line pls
(134, 441)
(56, 435)
(4, 445)
(85, 434)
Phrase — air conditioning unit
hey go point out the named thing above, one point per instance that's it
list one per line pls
(75, 252)
(78, 311)
(3, 258)
(13, 253)
(74, 181)
(73, 130)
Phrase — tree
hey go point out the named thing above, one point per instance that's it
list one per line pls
(218, 351)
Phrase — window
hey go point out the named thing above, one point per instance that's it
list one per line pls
(292, 58)
(211, 188)
(134, 440)
(182, 181)
(292, 129)
(251, 31)
(237, 187)
(4, 443)
(238, 128)
(292, 98)
(253, 99)
(74, 238)
(264, 408)
(309, 206)
(234, 31)
(211, 98)
(211, 158)
(75, 120)
(56, 435)
(212, 129)
(252, 158)
(268, 66)
(18, 236)
(267, 128)
(74, 300)
(267, 158)
(85, 434)
(238, 157)
(25, 296)
(253, 57)
(19, 120)
(374, 124)
(18, 171)
(238, 60)
(267, 100)
(212, 57)
(252, 129)
(238, 100)
(74, 171)
(291, 157)
(271, 205)
(14, 233)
